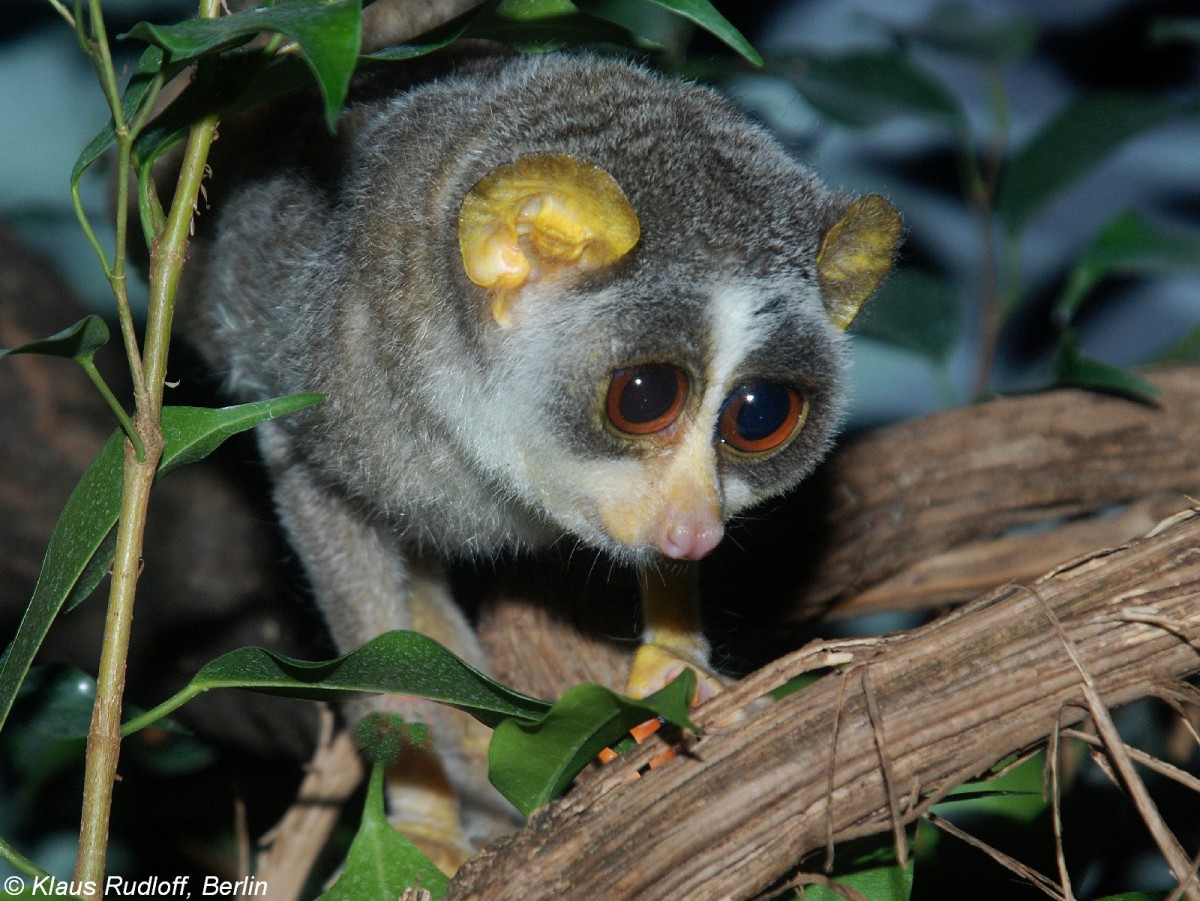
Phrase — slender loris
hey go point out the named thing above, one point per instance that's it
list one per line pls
(546, 298)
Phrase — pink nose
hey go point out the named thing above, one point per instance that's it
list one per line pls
(689, 540)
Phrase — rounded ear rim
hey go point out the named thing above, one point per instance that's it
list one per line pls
(541, 213)
(856, 253)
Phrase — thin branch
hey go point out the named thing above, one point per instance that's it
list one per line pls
(886, 766)
(1060, 857)
(1172, 851)
(1030, 875)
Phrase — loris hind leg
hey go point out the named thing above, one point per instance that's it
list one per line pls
(439, 795)
(672, 635)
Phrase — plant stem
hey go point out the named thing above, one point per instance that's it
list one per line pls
(982, 194)
(104, 736)
(166, 264)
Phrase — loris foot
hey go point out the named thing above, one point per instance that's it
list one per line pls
(655, 666)
(425, 809)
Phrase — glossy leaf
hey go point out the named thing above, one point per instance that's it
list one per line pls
(327, 35)
(396, 662)
(1071, 145)
(866, 88)
(705, 15)
(381, 862)
(916, 312)
(79, 342)
(1128, 245)
(75, 559)
(532, 763)
(965, 30)
(1074, 370)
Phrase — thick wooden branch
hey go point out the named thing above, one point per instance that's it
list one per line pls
(936, 510)
(745, 804)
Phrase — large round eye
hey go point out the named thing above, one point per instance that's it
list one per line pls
(761, 416)
(646, 399)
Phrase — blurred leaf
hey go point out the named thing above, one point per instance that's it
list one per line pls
(327, 35)
(381, 862)
(79, 342)
(75, 560)
(1127, 245)
(531, 763)
(914, 311)
(1175, 28)
(1068, 147)
(861, 89)
(1073, 370)
(399, 662)
(1186, 351)
(962, 29)
(528, 26)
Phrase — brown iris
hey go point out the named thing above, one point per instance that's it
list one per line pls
(646, 399)
(761, 416)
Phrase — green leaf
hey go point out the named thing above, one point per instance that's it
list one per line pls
(866, 88)
(1073, 370)
(150, 63)
(327, 35)
(192, 433)
(1127, 245)
(381, 862)
(914, 311)
(1068, 147)
(963, 29)
(883, 883)
(79, 342)
(397, 662)
(705, 15)
(530, 763)
(1016, 794)
(869, 867)
(75, 559)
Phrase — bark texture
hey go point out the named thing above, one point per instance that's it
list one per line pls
(868, 746)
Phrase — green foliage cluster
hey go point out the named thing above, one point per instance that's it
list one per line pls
(537, 748)
(1007, 188)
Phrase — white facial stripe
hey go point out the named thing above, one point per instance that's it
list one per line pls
(736, 331)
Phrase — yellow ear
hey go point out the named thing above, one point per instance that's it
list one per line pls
(856, 254)
(541, 214)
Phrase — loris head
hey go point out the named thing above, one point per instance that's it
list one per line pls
(665, 293)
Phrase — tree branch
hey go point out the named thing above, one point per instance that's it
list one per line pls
(741, 807)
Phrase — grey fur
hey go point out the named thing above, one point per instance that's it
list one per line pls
(334, 266)
(353, 286)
